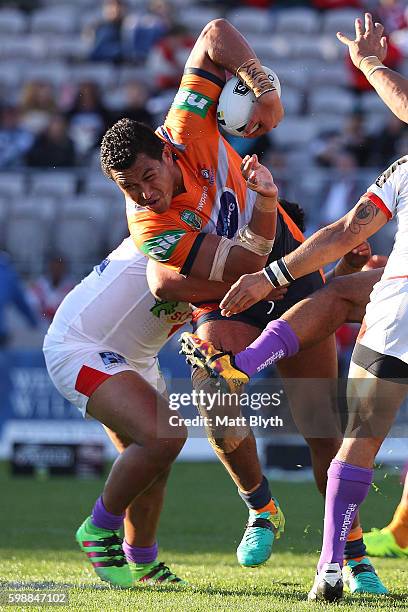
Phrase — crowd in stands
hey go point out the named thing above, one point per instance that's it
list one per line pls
(69, 70)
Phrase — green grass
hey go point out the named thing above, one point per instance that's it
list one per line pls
(201, 526)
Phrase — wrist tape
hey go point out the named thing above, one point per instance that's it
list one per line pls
(278, 274)
(368, 65)
(253, 75)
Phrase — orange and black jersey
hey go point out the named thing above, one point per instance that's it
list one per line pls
(216, 199)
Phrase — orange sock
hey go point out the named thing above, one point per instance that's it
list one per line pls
(355, 534)
(270, 507)
(399, 525)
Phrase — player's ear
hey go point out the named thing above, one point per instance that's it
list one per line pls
(167, 155)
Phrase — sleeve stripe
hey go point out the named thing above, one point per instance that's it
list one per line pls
(188, 264)
(205, 75)
(375, 199)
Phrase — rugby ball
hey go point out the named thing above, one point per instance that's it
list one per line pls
(235, 103)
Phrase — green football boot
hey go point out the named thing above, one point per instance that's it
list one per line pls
(361, 577)
(261, 531)
(153, 573)
(381, 543)
(104, 550)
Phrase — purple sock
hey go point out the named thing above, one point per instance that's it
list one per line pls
(106, 520)
(347, 487)
(278, 340)
(140, 554)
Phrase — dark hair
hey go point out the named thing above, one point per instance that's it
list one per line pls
(124, 141)
(295, 212)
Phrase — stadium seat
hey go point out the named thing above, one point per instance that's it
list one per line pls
(305, 48)
(104, 75)
(79, 235)
(98, 186)
(28, 47)
(134, 73)
(28, 237)
(372, 103)
(196, 17)
(324, 73)
(55, 183)
(297, 20)
(53, 72)
(293, 73)
(269, 48)
(12, 21)
(330, 121)
(293, 100)
(85, 205)
(340, 20)
(324, 99)
(294, 131)
(118, 227)
(11, 75)
(251, 20)
(58, 19)
(12, 185)
(66, 47)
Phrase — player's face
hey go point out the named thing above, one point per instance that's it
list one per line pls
(148, 182)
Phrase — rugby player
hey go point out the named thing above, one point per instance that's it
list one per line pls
(193, 183)
(380, 357)
(101, 354)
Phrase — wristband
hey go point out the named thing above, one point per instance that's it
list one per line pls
(253, 75)
(278, 274)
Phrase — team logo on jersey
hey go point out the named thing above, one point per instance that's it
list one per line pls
(160, 306)
(99, 269)
(227, 221)
(192, 101)
(190, 218)
(162, 246)
(383, 178)
(208, 175)
(111, 359)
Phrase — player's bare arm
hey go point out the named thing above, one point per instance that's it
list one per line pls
(325, 246)
(367, 52)
(221, 47)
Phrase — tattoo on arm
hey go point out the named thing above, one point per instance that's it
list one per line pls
(364, 214)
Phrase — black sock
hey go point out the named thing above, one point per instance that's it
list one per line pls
(258, 498)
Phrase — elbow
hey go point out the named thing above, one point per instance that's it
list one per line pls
(216, 27)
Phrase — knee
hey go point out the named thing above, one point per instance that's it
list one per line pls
(324, 448)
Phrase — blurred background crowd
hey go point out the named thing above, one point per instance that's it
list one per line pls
(69, 70)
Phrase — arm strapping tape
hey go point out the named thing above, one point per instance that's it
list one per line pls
(252, 242)
(220, 257)
(278, 274)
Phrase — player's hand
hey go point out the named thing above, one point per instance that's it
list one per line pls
(369, 40)
(375, 262)
(258, 177)
(359, 256)
(247, 291)
(266, 114)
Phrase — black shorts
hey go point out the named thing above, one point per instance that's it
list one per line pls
(379, 365)
(261, 313)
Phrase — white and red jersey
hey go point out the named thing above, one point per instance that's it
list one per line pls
(385, 326)
(390, 194)
(113, 307)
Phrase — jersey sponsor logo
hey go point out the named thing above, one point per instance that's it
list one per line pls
(192, 101)
(99, 269)
(111, 359)
(161, 306)
(203, 198)
(162, 246)
(383, 178)
(227, 222)
(241, 89)
(190, 218)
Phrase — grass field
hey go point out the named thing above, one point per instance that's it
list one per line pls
(201, 526)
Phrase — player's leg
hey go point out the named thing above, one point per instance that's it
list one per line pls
(373, 404)
(140, 527)
(236, 449)
(302, 326)
(392, 540)
(130, 406)
(311, 386)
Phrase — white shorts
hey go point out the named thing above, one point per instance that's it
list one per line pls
(385, 325)
(78, 368)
